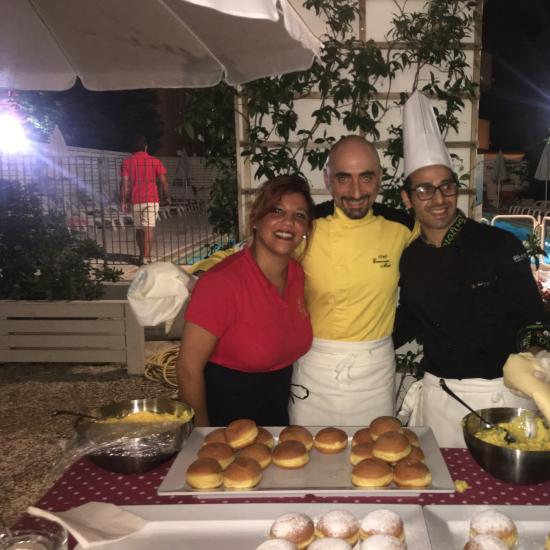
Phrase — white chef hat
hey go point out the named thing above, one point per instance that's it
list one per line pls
(423, 144)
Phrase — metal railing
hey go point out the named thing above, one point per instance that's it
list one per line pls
(86, 190)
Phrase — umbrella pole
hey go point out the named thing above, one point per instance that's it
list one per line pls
(545, 193)
(498, 194)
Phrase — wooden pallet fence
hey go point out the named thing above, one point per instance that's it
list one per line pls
(101, 331)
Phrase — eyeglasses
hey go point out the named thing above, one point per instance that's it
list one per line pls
(427, 191)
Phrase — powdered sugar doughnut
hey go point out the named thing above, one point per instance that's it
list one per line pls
(382, 522)
(339, 524)
(329, 544)
(491, 522)
(277, 544)
(485, 542)
(294, 527)
(382, 542)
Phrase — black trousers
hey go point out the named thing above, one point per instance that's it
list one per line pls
(262, 397)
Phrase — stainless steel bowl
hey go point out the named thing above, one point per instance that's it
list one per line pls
(135, 455)
(514, 466)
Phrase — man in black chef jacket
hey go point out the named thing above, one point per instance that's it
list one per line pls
(466, 289)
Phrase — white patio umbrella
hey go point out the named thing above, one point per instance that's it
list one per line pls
(543, 170)
(130, 44)
(499, 173)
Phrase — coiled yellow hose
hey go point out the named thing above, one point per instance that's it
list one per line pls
(161, 366)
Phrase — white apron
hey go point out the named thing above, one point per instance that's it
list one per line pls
(346, 383)
(429, 405)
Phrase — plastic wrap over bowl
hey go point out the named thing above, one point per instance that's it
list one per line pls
(135, 455)
(514, 466)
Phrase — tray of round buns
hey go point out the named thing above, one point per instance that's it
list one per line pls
(320, 463)
(279, 526)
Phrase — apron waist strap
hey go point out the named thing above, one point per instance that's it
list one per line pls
(338, 348)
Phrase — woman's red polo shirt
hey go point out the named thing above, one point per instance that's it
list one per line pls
(258, 330)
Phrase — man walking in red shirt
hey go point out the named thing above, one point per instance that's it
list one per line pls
(141, 174)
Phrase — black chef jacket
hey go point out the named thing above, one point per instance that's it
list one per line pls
(466, 301)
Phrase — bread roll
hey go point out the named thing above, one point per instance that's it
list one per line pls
(361, 451)
(371, 472)
(265, 436)
(259, 452)
(242, 473)
(215, 436)
(362, 435)
(290, 454)
(384, 424)
(391, 447)
(411, 473)
(331, 440)
(241, 433)
(204, 473)
(297, 433)
(221, 452)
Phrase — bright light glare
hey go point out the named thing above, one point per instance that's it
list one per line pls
(12, 135)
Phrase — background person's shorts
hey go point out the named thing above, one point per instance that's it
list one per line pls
(145, 214)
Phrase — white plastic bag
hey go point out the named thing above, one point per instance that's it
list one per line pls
(158, 293)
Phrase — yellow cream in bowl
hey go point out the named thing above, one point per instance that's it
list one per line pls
(540, 441)
(147, 417)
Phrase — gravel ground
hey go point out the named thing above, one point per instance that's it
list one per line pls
(32, 439)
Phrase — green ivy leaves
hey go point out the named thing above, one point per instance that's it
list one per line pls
(350, 85)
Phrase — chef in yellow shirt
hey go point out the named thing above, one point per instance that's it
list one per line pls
(352, 273)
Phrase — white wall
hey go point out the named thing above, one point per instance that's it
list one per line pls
(463, 142)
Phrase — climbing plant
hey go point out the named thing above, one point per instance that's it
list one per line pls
(352, 84)
(209, 121)
(429, 45)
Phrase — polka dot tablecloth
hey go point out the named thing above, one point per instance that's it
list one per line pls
(84, 482)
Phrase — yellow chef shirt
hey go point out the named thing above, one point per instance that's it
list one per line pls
(352, 272)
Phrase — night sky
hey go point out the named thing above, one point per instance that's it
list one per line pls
(517, 34)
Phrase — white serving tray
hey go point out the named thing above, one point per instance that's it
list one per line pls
(324, 474)
(241, 526)
(449, 525)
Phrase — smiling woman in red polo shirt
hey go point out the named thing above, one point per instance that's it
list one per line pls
(247, 321)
